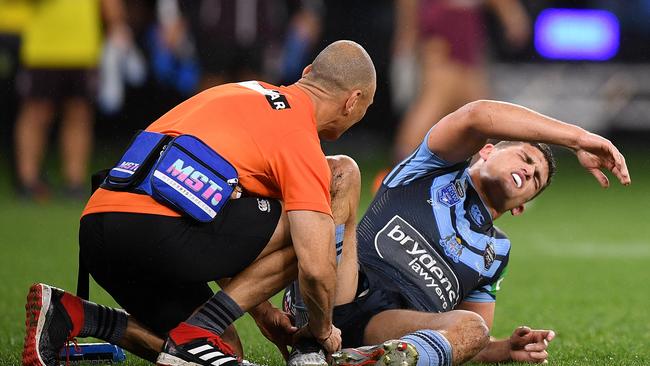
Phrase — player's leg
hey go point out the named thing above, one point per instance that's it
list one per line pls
(345, 190)
(76, 144)
(439, 338)
(31, 136)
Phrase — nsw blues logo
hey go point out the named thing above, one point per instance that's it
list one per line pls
(476, 215)
(451, 194)
(453, 247)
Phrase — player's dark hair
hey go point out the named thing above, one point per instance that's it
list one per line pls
(548, 155)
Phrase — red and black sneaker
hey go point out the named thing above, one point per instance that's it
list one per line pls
(189, 345)
(53, 317)
(390, 353)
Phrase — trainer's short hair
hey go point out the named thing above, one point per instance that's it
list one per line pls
(548, 156)
(344, 66)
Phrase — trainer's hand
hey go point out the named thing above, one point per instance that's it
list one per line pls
(331, 342)
(596, 153)
(529, 345)
(276, 326)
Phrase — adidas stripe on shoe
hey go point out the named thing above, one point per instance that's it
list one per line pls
(188, 345)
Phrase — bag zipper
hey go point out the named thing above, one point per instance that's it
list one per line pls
(181, 148)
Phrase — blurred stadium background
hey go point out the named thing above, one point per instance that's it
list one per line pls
(581, 255)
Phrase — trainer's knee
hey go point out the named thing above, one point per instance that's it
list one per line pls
(345, 173)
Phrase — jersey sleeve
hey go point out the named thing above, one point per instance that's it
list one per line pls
(422, 161)
(488, 292)
(303, 174)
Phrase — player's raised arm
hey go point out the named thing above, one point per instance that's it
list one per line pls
(462, 133)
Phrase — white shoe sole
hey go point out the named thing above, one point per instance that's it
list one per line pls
(165, 359)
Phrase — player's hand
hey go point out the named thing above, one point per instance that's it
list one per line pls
(277, 327)
(529, 345)
(596, 153)
(330, 342)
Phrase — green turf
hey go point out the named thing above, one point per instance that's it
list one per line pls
(580, 265)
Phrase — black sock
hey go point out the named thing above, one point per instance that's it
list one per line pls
(217, 314)
(103, 322)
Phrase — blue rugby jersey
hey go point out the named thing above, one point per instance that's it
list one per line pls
(428, 235)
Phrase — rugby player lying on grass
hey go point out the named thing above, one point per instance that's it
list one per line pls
(430, 257)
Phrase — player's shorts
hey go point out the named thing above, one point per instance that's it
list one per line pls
(57, 84)
(158, 267)
(461, 27)
(371, 299)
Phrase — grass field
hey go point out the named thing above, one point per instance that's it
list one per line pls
(580, 265)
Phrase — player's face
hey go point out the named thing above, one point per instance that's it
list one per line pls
(513, 175)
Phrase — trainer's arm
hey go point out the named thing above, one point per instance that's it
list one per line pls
(524, 345)
(462, 133)
(312, 234)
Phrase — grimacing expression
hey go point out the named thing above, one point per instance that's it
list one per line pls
(516, 174)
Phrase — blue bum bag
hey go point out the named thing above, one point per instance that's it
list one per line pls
(182, 172)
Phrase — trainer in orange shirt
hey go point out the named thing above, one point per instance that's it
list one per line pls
(157, 264)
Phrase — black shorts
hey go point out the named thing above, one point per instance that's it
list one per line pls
(158, 267)
(372, 299)
(57, 84)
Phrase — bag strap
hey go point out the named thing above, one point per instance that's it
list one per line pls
(83, 276)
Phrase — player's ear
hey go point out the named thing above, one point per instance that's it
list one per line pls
(485, 151)
(518, 210)
(306, 70)
(351, 102)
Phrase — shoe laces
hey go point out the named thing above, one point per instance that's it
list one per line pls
(225, 347)
(66, 345)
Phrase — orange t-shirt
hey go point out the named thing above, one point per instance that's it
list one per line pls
(268, 133)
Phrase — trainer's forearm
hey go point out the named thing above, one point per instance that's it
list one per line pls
(312, 234)
(498, 350)
(318, 292)
(506, 121)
